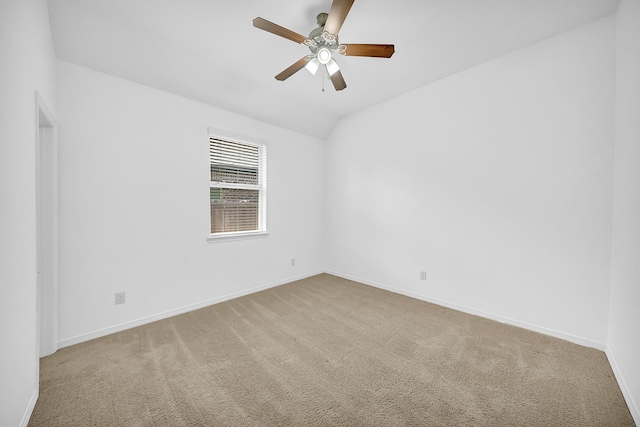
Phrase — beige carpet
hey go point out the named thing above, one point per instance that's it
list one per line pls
(325, 351)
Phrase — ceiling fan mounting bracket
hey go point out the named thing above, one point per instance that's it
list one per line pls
(322, 19)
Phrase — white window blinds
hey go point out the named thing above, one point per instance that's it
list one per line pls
(238, 186)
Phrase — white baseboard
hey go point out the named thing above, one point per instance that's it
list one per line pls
(633, 407)
(149, 319)
(32, 404)
(564, 336)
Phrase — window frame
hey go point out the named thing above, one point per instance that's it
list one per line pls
(262, 230)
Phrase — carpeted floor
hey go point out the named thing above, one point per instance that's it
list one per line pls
(325, 351)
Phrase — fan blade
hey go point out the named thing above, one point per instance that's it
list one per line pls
(338, 81)
(299, 65)
(371, 50)
(337, 15)
(276, 29)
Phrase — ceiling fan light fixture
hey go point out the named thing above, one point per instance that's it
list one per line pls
(323, 43)
(332, 67)
(313, 65)
(324, 55)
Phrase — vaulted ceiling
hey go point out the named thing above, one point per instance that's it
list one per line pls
(209, 51)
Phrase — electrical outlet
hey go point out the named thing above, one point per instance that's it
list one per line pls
(423, 275)
(120, 298)
(293, 262)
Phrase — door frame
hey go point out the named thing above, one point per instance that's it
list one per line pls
(46, 229)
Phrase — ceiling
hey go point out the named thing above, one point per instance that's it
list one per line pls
(208, 50)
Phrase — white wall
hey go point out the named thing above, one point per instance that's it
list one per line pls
(26, 65)
(496, 181)
(624, 315)
(134, 209)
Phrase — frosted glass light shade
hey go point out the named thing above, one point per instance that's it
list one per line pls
(332, 67)
(313, 65)
(324, 55)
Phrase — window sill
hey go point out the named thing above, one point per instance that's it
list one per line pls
(229, 237)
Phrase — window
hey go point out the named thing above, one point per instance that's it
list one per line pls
(238, 187)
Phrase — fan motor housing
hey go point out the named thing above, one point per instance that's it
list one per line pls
(319, 38)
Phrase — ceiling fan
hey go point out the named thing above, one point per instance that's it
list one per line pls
(323, 43)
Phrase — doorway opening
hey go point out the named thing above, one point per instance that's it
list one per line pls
(46, 230)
